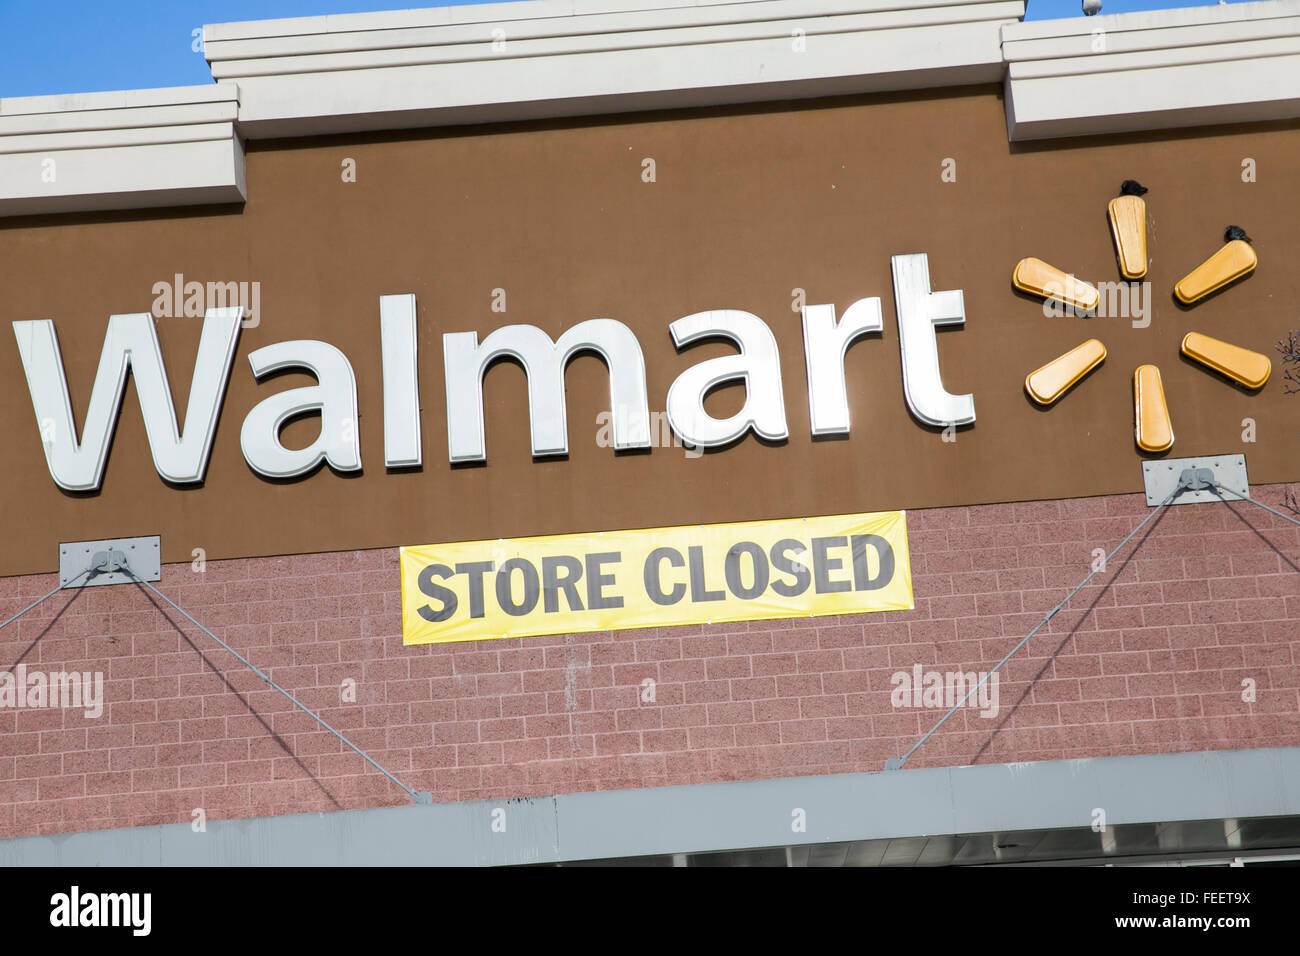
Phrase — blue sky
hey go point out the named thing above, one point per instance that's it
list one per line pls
(78, 46)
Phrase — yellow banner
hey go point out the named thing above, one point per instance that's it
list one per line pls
(478, 590)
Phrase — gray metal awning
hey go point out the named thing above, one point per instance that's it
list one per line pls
(1153, 805)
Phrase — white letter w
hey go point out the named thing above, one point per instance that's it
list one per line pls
(130, 343)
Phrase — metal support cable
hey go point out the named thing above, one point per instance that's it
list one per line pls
(42, 600)
(126, 568)
(1221, 487)
(894, 764)
(897, 763)
(424, 798)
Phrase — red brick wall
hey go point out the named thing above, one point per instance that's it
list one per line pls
(1150, 659)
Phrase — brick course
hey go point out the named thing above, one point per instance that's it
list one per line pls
(1150, 658)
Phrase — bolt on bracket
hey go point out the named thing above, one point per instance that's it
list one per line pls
(1196, 476)
(96, 563)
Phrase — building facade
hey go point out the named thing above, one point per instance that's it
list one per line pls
(360, 273)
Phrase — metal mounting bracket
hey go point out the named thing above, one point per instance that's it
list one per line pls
(107, 559)
(1163, 476)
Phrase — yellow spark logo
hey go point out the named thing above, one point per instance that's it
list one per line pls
(1153, 428)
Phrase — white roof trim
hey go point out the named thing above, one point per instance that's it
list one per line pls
(553, 58)
(580, 13)
(121, 150)
(119, 99)
(412, 68)
(1153, 70)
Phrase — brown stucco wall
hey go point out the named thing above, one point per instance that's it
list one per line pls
(748, 205)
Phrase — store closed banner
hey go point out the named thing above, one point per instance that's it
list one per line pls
(479, 590)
